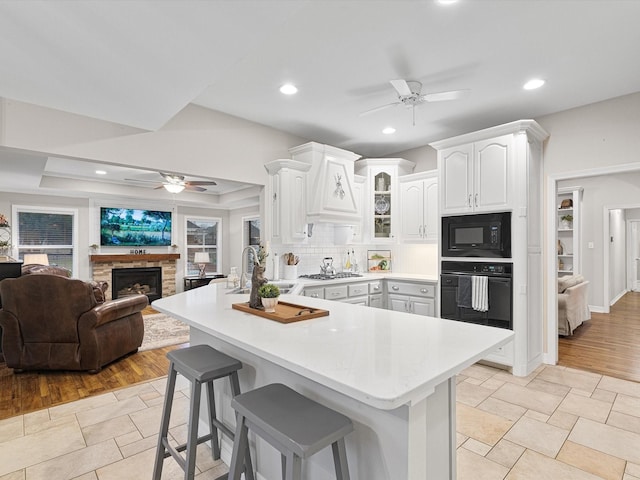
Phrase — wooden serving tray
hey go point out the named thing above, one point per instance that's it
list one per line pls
(285, 312)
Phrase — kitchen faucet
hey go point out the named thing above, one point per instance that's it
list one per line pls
(243, 275)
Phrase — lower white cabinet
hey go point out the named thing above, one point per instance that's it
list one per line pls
(361, 293)
(410, 297)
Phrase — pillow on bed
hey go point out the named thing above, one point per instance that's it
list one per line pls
(568, 282)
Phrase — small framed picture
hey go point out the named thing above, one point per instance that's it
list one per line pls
(379, 260)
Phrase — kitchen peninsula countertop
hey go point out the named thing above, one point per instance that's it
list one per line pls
(300, 283)
(379, 357)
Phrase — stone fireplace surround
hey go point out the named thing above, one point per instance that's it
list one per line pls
(101, 266)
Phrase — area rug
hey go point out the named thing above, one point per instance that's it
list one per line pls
(161, 330)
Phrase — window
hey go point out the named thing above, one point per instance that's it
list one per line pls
(202, 236)
(51, 231)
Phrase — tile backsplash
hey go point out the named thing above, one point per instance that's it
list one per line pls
(405, 258)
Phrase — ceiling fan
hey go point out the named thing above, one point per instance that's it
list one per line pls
(410, 95)
(176, 183)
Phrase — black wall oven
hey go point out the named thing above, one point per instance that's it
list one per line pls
(499, 293)
(480, 235)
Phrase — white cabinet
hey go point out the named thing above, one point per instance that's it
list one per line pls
(500, 169)
(381, 200)
(286, 201)
(569, 202)
(411, 297)
(358, 293)
(475, 177)
(419, 207)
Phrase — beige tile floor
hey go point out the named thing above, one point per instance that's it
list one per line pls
(556, 424)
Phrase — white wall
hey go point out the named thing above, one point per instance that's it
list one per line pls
(425, 158)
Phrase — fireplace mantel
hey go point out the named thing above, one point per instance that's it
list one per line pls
(149, 257)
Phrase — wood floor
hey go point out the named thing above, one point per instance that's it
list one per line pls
(608, 344)
(30, 391)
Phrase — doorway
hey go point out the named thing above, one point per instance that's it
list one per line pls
(597, 258)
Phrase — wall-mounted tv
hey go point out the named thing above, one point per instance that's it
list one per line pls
(130, 227)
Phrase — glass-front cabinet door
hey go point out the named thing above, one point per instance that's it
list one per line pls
(382, 200)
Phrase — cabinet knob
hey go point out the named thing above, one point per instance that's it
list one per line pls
(314, 295)
(423, 290)
(395, 287)
(377, 287)
(469, 201)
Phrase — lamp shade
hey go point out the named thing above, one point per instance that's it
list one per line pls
(201, 257)
(36, 259)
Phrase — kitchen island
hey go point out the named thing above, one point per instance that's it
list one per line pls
(392, 373)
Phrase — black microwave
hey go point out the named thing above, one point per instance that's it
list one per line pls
(481, 235)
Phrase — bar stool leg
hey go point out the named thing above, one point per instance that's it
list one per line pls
(240, 449)
(293, 467)
(164, 427)
(248, 465)
(192, 439)
(340, 459)
(215, 444)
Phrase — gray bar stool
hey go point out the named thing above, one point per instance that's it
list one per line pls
(199, 364)
(295, 425)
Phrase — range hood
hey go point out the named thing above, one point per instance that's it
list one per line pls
(331, 197)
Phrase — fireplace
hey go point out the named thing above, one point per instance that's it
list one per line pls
(132, 281)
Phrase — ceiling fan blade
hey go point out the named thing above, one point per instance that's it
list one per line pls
(194, 188)
(139, 181)
(201, 182)
(382, 107)
(402, 87)
(442, 96)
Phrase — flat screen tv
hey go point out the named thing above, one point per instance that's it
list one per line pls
(131, 227)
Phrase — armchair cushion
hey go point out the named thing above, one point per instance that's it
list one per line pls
(55, 323)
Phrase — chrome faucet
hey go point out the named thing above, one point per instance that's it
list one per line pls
(244, 264)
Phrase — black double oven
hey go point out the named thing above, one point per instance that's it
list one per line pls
(476, 275)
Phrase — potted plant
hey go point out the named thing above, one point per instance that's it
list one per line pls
(567, 221)
(269, 294)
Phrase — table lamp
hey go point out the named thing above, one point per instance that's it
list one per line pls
(36, 259)
(202, 258)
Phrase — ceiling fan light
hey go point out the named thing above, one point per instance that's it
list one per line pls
(173, 187)
(388, 130)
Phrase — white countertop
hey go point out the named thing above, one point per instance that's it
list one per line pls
(301, 283)
(382, 358)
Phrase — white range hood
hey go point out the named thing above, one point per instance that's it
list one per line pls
(330, 183)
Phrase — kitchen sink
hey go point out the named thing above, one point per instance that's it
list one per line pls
(284, 288)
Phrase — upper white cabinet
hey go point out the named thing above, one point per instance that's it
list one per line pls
(475, 177)
(286, 201)
(330, 183)
(419, 207)
(381, 204)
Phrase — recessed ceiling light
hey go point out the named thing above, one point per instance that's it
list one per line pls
(446, 2)
(101, 172)
(288, 89)
(533, 84)
(388, 130)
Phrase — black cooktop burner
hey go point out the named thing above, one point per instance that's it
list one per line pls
(327, 276)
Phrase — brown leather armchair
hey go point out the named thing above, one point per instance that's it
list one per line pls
(51, 322)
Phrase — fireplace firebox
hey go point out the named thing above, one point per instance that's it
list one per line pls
(133, 281)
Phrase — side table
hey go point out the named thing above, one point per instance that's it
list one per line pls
(195, 281)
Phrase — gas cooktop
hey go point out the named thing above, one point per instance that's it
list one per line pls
(328, 276)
